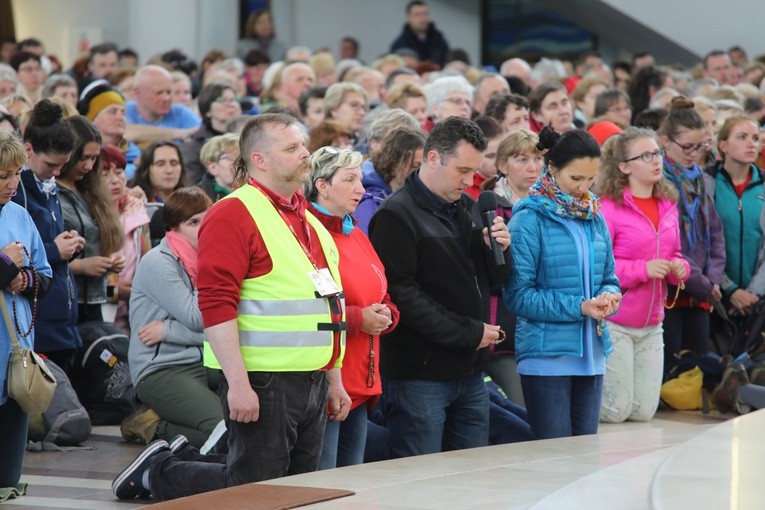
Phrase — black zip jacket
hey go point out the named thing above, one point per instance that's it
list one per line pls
(440, 281)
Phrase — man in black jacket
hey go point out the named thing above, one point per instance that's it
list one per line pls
(431, 238)
(420, 35)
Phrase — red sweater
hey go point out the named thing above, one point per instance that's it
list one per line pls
(364, 284)
(475, 189)
(231, 250)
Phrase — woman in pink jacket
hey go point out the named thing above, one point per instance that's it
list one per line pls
(640, 209)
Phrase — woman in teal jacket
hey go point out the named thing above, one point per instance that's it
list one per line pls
(737, 190)
(562, 286)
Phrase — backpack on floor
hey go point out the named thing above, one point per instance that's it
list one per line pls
(736, 335)
(101, 376)
(66, 422)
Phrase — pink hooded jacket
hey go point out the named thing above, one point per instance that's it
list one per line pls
(635, 243)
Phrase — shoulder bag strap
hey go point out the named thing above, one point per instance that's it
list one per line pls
(11, 330)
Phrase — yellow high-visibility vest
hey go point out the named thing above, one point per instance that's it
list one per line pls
(283, 325)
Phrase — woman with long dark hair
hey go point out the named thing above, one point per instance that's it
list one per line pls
(686, 325)
(400, 153)
(135, 226)
(562, 286)
(88, 209)
(161, 171)
(49, 142)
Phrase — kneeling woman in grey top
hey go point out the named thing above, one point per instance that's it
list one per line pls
(165, 353)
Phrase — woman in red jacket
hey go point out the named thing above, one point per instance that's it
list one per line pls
(335, 190)
(639, 206)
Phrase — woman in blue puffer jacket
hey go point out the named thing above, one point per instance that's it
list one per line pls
(562, 287)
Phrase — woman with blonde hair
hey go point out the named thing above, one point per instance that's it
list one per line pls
(324, 66)
(25, 277)
(346, 103)
(585, 95)
(639, 207)
(519, 164)
(334, 190)
(736, 186)
(708, 112)
(411, 98)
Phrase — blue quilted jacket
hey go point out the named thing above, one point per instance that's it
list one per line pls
(545, 288)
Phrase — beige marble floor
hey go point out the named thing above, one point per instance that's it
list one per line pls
(613, 469)
(539, 474)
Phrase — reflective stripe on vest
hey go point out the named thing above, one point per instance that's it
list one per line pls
(279, 312)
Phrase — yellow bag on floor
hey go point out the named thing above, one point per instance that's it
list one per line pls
(684, 392)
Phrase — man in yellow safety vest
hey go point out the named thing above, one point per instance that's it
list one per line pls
(271, 299)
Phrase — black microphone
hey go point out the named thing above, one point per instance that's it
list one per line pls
(487, 203)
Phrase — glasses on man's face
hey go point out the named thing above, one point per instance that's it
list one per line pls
(647, 156)
(225, 100)
(689, 148)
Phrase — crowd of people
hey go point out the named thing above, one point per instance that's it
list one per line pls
(299, 248)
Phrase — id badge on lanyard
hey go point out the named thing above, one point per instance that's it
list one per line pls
(325, 284)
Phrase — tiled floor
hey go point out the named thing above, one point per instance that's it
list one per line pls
(614, 467)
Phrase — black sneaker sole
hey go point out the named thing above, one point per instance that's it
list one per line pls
(125, 486)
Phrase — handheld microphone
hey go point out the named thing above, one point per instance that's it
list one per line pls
(487, 204)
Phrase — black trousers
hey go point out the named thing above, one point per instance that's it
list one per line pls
(286, 439)
(685, 328)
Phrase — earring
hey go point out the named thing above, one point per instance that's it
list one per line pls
(325, 197)
(14, 193)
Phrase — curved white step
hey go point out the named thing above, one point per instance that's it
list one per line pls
(721, 468)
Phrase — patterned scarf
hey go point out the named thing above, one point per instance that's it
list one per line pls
(690, 184)
(503, 189)
(563, 204)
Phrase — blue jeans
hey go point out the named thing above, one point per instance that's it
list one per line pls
(562, 406)
(433, 416)
(508, 422)
(13, 442)
(344, 441)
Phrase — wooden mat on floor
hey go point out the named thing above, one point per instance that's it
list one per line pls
(254, 497)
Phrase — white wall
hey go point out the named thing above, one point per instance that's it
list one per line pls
(148, 26)
(60, 23)
(195, 26)
(374, 23)
(702, 25)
